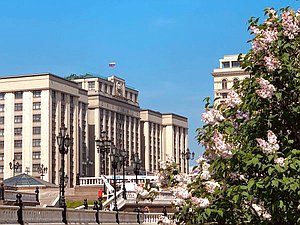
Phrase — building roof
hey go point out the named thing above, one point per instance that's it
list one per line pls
(25, 180)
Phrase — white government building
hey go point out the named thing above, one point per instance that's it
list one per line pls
(226, 75)
(33, 107)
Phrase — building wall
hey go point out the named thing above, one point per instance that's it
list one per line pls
(34, 108)
(113, 108)
(225, 76)
(165, 136)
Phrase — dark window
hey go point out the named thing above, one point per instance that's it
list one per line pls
(1, 132)
(18, 119)
(1, 108)
(1, 119)
(18, 106)
(36, 142)
(236, 64)
(18, 94)
(18, 131)
(18, 156)
(35, 167)
(36, 130)
(37, 94)
(235, 80)
(36, 155)
(36, 105)
(91, 85)
(224, 95)
(225, 65)
(1, 156)
(2, 95)
(224, 84)
(18, 143)
(36, 117)
(1, 144)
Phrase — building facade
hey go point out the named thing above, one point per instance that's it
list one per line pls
(114, 109)
(163, 136)
(32, 109)
(226, 75)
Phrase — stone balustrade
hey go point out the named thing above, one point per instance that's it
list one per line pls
(153, 218)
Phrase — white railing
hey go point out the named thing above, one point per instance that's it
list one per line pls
(110, 201)
(88, 181)
(154, 217)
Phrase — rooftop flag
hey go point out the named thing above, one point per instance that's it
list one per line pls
(112, 65)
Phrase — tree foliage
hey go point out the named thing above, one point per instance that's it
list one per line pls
(250, 171)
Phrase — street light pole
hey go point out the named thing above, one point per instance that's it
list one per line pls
(123, 161)
(187, 155)
(136, 164)
(42, 170)
(63, 141)
(14, 166)
(115, 160)
(103, 146)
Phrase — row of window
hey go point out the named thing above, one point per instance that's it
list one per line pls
(18, 143)
(18, 156)
(35, 168)
(224, 82)
(19, 119)
(19, 94)
(19, 106)
(233, 64)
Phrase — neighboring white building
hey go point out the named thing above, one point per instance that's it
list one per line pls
(114, 108)
(226, 75)
(163, 135)
(33, 107)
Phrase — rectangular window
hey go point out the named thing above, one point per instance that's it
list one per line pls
(53, 94)
(1, 156)
(35, 167)
(18, 94)
(18, 156)
(36, 130)
(62, 96)
(37, 94)
(225, 65)
(91, 85)
(80, 84)
(1, 119)
(18, 119)
(18, 143)
(36, 142)
(236, 64)
(36, 155)
(37, 105)
(18, 131)
(1, 132)
(36, 117)
(1, 169)
(19, 169)
(1, 144)
(1, 108)
(2, 95)
(18, 106)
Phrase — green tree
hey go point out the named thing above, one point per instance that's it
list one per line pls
(250, 171)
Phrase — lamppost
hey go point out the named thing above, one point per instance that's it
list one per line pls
(136, 164)
(63, 141)
(123, 161)
(103, 146)
(87, 163)
(14, 166)
(114, 156)
(42, 170)
(187, 155)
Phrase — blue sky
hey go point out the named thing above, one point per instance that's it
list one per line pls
(166, 49)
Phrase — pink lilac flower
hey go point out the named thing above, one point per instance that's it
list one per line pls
(290, 24)
(212, 116)
(263, 38)
(222, 148)
(271, 63)
(200, 202)
(280, 161)
(270, 146)
(210, 186)
(233, 99)
(267, 90)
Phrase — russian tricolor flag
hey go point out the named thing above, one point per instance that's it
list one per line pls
(112, 65)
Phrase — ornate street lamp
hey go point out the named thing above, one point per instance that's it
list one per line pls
(136, 165)
(14, 166)
(63, 141)
(187, 155)
(123, 161)
(87, 163)
(114, 157)
(103, 146)
(42, 170)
